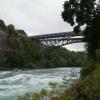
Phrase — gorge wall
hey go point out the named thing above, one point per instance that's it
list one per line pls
(3, 40)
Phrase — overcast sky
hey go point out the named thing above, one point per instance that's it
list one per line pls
(35, 16)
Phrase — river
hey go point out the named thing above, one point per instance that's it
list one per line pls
(15, 83)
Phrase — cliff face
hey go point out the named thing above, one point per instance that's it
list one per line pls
(3, 39)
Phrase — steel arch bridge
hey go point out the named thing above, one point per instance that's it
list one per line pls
(58, 39)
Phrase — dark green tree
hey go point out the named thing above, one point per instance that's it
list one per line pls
(21, 33)
(2, 25)
(85, 13)
(11, 29)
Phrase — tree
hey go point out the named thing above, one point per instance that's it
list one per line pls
(2, 25)
(11, 29)
(21, 33)
(85, 13)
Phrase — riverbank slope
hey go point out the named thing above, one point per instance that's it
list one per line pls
(24, 53)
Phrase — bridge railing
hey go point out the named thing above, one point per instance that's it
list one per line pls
(58, 39)
(55, 35)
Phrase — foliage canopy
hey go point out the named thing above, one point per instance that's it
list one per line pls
(85, 13)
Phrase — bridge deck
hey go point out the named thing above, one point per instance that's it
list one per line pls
(53, 35)
(58, 39)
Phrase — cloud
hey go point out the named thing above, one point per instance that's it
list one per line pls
(34, 16)
(76, 47)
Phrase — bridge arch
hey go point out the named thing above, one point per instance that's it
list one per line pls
(58, 39)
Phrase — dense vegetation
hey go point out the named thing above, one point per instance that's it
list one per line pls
(23, 53)
(84, 13)
(80, 13)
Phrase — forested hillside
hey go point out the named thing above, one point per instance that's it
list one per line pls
(79, 13)
(23, 53)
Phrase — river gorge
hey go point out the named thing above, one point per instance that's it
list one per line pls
(16, 83)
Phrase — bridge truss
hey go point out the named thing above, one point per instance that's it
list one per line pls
(58, 39)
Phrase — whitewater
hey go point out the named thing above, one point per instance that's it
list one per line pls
(16, 83)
